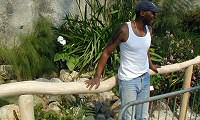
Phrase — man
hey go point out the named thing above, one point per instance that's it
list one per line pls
(134, 39)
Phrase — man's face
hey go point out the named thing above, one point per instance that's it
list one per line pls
(149, 17)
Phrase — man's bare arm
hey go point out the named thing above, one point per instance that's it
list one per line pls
(115, 40)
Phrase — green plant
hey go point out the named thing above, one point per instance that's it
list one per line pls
(71, 108)
(169, 19)
(86, 37)
(177, 48)
(191, 20)
(154, 56)
(3, 102)
(45, 115)
(75, 108)
(38, 111)
(166, 83)
(87, 34)
(3, 54)
(34, 55)
(171, 32)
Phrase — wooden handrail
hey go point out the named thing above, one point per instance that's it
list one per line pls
(35, 87)
(27, 88)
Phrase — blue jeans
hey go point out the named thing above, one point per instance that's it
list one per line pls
(135, 89)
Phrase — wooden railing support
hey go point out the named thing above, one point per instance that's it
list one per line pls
(186, 96)
(26, 107)
(26, 88)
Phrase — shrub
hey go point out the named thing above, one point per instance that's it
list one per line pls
(191, 20)
(87, 34)
(34, 55)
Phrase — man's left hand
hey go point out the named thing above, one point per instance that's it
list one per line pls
(154, 68)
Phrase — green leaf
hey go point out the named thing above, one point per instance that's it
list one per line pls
(71, 63)
(115, 11)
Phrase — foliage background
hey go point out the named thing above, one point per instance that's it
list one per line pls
(176, 39)
(173, 41)
(34, 56)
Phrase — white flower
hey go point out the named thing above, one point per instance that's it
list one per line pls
(61, 40)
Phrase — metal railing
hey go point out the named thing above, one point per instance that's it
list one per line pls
(163, 96)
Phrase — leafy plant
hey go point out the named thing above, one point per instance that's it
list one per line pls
(3, 102)
(71, 108)
(170, 17)
(45, 115)
(173, 41)
(191, 20)
(75, 108)
(3, 54)
(34, 56)
(87, 34)
(167, 83)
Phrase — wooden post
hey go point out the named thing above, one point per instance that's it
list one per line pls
(186, 96)
(26, 107)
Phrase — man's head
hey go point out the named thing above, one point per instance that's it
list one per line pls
(146, 5)
(146, 11)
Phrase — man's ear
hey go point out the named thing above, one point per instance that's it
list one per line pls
(142, 13)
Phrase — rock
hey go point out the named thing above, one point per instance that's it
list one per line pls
(110, 118)
(37, 99)
(106, 98)
(6, 70)
(42, 80)
(106, 95)
(162, 115)
(101, 117)
(81, 79)
(98, 106)
(54, 106)
(116, 105)
(74, 75)
(86, 75)
(47, 80)
(2, 81)
(108, 114)
(103, 109)
(55, 80)
(89, 118)
(7, 112)
(65, 76)
(107, 103)
(12, 81)
(51, 75)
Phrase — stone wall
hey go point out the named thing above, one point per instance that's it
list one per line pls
(197, 2)
(17, 16)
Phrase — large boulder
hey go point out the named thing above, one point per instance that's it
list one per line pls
(9, 112)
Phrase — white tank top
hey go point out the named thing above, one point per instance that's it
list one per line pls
(134, 55)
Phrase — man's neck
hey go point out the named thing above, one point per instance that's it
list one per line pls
(140, 25)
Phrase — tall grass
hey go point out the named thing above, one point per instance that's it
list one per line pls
(34, 55)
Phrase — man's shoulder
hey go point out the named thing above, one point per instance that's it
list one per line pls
(124, 27)
(149, 27)
(125, 31)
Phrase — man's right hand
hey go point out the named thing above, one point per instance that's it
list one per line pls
(92, 82)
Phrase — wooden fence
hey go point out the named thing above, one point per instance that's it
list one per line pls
(26, 89)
